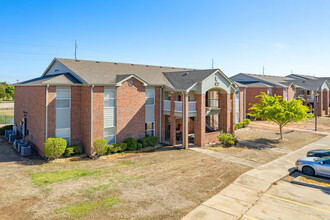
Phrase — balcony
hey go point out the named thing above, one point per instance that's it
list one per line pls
(310, 98)
(178, 106)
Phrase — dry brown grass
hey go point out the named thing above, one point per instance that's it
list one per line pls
(165, 184)
(265, 144)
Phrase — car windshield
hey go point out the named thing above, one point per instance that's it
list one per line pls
(320, 159)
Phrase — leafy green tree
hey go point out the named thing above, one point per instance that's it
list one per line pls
(282, 112)
(10, 90)
(2, 93)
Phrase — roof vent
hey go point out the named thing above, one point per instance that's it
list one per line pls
(98, 62)
(304, 81)
(77, 60)
(132, 64)
(186, 74)
(147, 65)
(115, 63)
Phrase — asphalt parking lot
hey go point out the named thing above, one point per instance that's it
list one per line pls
(286, 200)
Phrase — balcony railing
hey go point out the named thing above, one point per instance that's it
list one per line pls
(178, 106)
(310, 98)
(213, 103)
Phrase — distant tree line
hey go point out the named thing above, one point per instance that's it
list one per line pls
(6, 91)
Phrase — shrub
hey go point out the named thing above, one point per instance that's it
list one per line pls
(144, 142)
(243, 124)
(120, 147)
(247, 121)
(131, 143)
(237, 126)
(139, 146)
(7, 127)
(149, 141)
(226, 138)
(77, 149)
(110, 149)
(69, 151)
(54, 147)
(100, 147)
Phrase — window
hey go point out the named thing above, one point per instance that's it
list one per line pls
(110, 115)
(63, 111)
(231, 105)
(167, 95)
(286, 94)
(150, 96)
(149, 129)
(270, 92)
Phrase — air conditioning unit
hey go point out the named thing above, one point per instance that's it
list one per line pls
(25, 150)
(20, 146)
(12, 137)
(16, 142)
(7, 132)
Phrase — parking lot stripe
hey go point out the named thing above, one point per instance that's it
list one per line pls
(297, 203)
(249, 217)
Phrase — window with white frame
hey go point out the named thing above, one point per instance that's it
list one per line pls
(149, 129)
(150, 112)
(286, 94)
(110, 115)
(150, 96)
(270, 92)
(63, 113)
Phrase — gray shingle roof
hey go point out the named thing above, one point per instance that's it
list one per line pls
(278, 81)
(94, 72)
(182, 80)
(55, 79)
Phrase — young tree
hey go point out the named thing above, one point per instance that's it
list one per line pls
(282, 112)
(10, 90)
(2, 92)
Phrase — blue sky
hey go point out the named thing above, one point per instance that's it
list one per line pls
(240, 35)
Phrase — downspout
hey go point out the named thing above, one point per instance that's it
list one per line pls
(92, 120)
(46, 133)
(160, 113)
(183, 117)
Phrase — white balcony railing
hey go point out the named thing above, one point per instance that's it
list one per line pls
(178, 106)
(167, 105)
(310, 98)
(192, 106)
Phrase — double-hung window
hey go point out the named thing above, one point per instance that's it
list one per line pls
(63, 111)
(110, 115)
(150, 112)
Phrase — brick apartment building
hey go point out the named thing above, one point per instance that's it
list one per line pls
(81, 101)
(314, 90)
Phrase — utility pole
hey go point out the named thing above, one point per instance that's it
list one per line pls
(263, 70)
(212, 63)
(75, 49)
(315, 108)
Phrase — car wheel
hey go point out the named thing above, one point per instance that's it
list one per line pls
(308, 171)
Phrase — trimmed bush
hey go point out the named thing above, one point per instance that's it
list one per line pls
(247, 121)
(237, 126)
(100, 147)
(120, 147)
(243, 124)
(69, 151)
(54, 147)
(226, 138)
(149, 141)
(144, 142)
(77, 149)
(139, 146)
(131, 143)
(7, 127)
(110, 149)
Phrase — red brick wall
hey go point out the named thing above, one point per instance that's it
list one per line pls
(32, 100)
(130, 111)
(85, 117)
(76, 119)
(251, 94)
(279, 92)
(210, 137)
(51, 111)
(98, 112)
(326, 101)
(199, 126)
(225, 114)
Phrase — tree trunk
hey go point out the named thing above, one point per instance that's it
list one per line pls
(281, 131)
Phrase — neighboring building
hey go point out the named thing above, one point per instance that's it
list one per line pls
(289, 87)
(81, 101)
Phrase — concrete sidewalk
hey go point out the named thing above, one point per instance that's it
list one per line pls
(236, 199)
